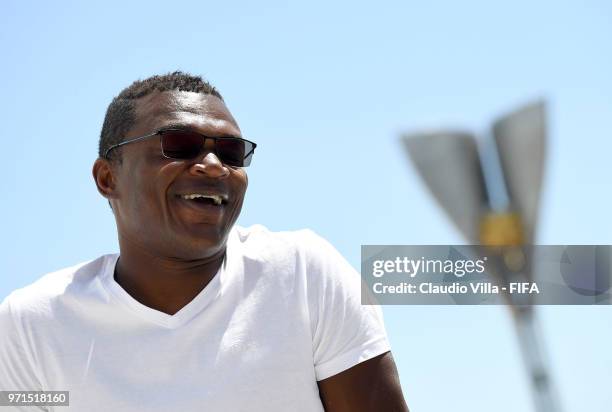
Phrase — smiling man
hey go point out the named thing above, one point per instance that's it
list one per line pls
(195, 313)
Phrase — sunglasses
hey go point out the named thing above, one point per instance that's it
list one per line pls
(186, 145)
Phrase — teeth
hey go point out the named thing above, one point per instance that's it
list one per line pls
(215, 198)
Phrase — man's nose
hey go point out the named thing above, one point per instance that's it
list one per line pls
(209, 165)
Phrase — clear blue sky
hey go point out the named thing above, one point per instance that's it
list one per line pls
(325, 89)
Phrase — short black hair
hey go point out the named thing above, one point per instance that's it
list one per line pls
(121, 113)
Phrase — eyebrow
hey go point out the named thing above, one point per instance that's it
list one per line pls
(182, 126)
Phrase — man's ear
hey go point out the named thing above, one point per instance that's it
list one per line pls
(103, 174)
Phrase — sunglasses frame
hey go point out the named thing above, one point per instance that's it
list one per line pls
(162, 131)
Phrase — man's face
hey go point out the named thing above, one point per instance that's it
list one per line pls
(150, 207)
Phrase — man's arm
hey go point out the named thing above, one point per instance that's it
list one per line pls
(370, 386)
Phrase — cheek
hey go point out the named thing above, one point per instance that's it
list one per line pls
(239, 183)
(240, 188)
(147, 191)
(141, 199)
(242, 179)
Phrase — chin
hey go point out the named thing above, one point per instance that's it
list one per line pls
(200, 247)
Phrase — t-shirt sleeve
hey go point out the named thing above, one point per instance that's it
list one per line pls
(344, 332)
(16, 365)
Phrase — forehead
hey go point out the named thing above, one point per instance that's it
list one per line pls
(201, 112)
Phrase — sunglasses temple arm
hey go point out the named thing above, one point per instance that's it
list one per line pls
(250, 153)
(136, 139)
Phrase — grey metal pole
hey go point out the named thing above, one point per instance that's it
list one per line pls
(530, 341)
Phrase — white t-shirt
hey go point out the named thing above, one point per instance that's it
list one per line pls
(283, 312)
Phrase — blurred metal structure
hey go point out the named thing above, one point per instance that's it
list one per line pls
(449, 163)
(491, 193)
(520, 139)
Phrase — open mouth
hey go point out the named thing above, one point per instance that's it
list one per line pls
(204, 199)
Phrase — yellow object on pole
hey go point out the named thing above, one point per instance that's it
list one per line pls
(501, 229)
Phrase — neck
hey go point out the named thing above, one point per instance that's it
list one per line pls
(163, 283)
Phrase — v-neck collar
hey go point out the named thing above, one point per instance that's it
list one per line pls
(185, 314)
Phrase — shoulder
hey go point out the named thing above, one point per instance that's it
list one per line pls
(302, 252)
(40, 298)
(259, 233)
(259, 241)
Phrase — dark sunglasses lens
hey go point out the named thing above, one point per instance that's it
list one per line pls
(178, 144)
(232, 151)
